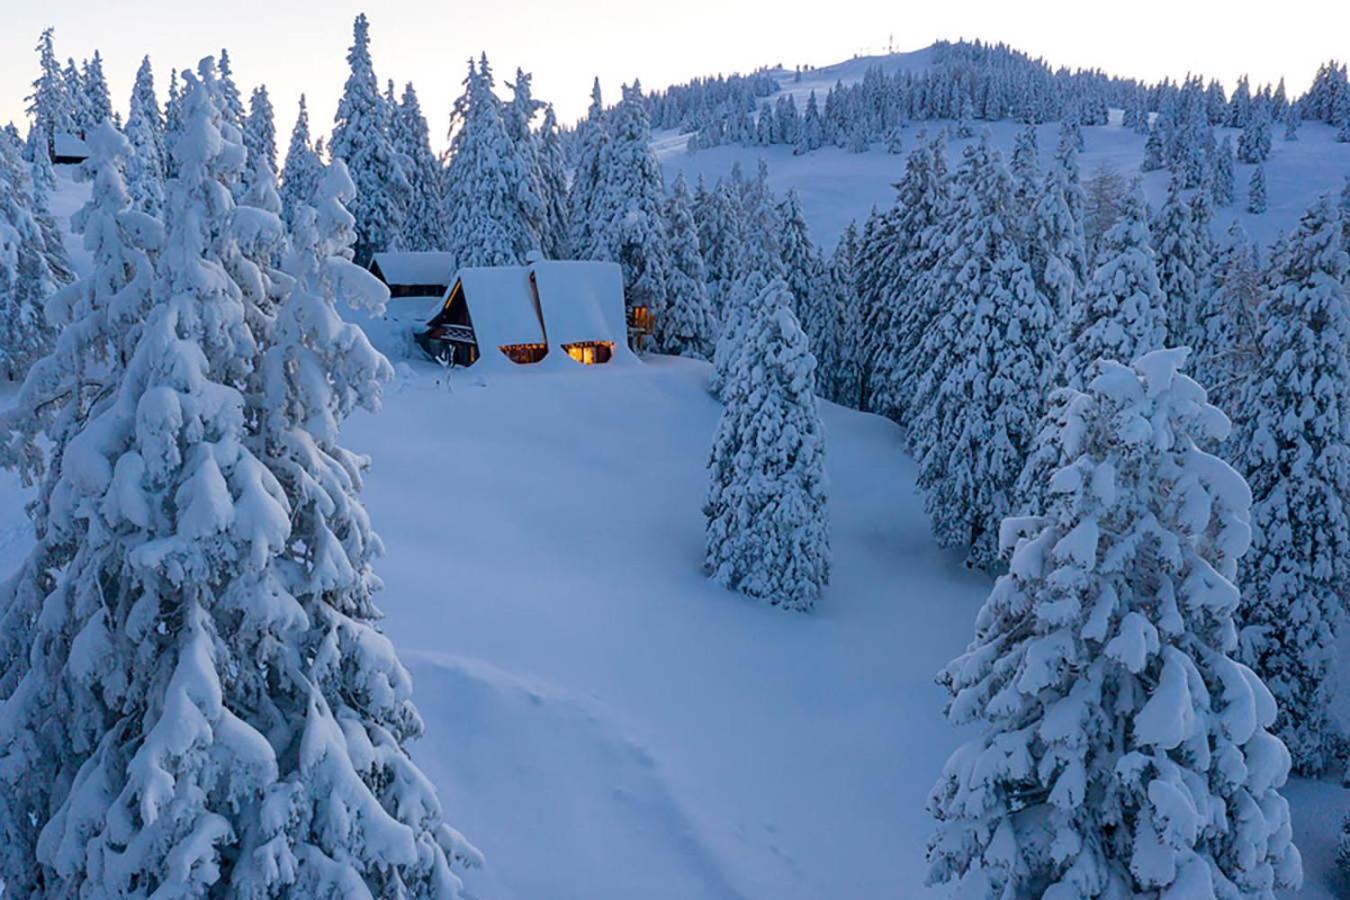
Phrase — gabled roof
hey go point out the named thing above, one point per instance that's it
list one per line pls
(415, 267)
(577, 302)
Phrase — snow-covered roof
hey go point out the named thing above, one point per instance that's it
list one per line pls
(578, 302)
(415, 267)
(501, 307)
(68, 145)
(583, 301)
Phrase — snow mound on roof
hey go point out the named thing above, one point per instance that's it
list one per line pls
(583, 301)
(415, 267)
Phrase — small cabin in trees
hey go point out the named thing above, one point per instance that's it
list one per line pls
(413, 273)
(544, 313)
(68, 149)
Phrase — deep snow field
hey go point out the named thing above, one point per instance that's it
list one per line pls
(602, 721)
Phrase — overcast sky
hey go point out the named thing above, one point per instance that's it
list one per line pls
(299, 46)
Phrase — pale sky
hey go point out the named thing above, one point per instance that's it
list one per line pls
(299, 46)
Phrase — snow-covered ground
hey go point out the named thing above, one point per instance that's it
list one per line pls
(837, 186)
(601, 720)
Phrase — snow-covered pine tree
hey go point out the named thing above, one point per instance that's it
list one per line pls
(28, 269)
(145, 130)
(690, 325)
(838, 375)
(1176, 255)
(221, 715)
(897, 259)
(100, 318)
(49, 106)
(1123, 313)
(1292, 120)
(1254, 142)
(424, 225)
(80, 115)
(518, 116)
(361, 140)
(1227, 333)
(717, 212)
(233, 110)
(767, 526)
(1294, 443)
(1256, 190)
(989, 360)
(804, 274)
(1055, 247)
(300, 176)
(259, 128)
(592, 139)
(761, 229)
(737, 314)
(556, 237)
(490, 212)
(1222, 178)
(628, 224)
(95, 84)
(1153, 150)
(1124, 751)
(1025, 168)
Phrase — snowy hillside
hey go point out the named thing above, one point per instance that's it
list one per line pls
(837, 186)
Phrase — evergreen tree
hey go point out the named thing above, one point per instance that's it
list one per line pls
(1123, 750)
(233, 108)
(1227, 333)
(80, 114)
(628, 224)
(1221, 173)
(839, 375)
(1055, 247)
(556, 237)
(213, 711)
(145, 172)
(361, 140)
(717, 213)
(803, 272)
(27, 277)
(1256, 191)
(592, 139)
(259, 128)
(491, 214)
(518, 117)
(1292, 120)
(424, 226)
(767, 534)
(1153, 150)
(989, 359)
(97, 100)
(49, 106)
(1177, 257)
(690, 325)
(1254, 141)
(1025, 168)
(1123, 314)
(1295, 446)
(303, 168)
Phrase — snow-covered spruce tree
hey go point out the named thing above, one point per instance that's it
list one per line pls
(99, 317)
(989, 361)
(717, 212)
(629, 227)
(424, 222)
(1227, 334)
(490, 212)
(1153, 150)
(518, 116)
(361, 140)
(231, 721)
(1176, 254)
(1123, 313)
(690, 326)
(233, 109)
(1254, 142)
(49, 106)
(761, 231)
(804, 273)
(592, 138)
(1124, 751)
(896, 263)
(95, 84)
(1256, 190)
(1025, 168)
(27, 273)
(838, 371)
(145, 171)
(1292, 121)
(556, 237)
(76, 97)
(1294, 443)
(1223, 180)
(768, 532)
(259, 128)
(300, 176)
(1055, 247)
(739, 311)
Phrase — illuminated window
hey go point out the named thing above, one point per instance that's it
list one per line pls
(590, 353)
(524, 354)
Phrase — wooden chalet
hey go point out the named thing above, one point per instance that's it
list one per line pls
(413, 274)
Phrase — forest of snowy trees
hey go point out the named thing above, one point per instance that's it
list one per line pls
(193, 688)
